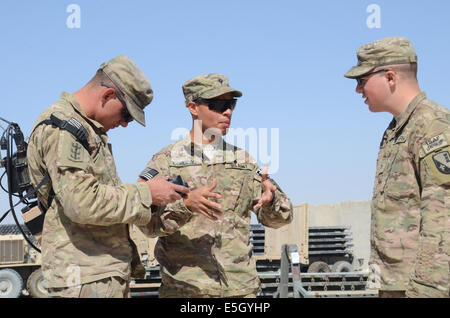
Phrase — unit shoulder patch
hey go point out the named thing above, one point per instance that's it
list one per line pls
(439, 165)
(75, 153)
(71, 153)
(442, 161)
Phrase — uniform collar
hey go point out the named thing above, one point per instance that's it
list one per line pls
(77, 107)
(186, 150)
(404, 117)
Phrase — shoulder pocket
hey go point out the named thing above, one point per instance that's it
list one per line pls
(71, 153)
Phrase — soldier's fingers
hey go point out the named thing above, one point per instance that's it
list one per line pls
(213, 195)
(213, 185)
(269, 185)
(262, 203)
(268, 193)
(204, 210)
(258, 205)
(269, 190)
(267, 197)
(212, 205)
(175, 196)
(179, 188)
(264, 172)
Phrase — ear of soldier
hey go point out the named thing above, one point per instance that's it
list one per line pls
(411, 191)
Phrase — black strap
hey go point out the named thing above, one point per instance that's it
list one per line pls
(78, 131)
(72, 125)
(43, 181)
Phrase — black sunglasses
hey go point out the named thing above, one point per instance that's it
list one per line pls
(218, 105)
(362, 79)
(125, 114)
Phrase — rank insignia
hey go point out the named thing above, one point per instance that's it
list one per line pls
(400, 139)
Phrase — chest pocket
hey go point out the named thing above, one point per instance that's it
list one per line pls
(193, 174)
(238, 186)
(386, 157)
(103, 166)
(400, 181)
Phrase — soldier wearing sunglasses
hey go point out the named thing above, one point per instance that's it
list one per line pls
(411, 197)
(86, 249)
(207, 252)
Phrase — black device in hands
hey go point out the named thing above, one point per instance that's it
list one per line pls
(178, 180)
(149, 173)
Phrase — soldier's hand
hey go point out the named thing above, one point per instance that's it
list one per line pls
(165, 192)
(267, 190)
(198, 201)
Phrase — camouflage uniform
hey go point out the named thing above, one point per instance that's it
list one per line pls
(85, 235)
(110, 287)
(411, 192)
(200, 257)
(408, 197)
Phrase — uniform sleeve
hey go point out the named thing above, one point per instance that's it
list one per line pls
(430, 276)
(167, 219)
(275, 214)
(84, 199)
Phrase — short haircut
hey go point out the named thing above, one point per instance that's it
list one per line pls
(98, 78)
(407, 71)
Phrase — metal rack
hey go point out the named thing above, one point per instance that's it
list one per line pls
(330, 244)
(295, 284)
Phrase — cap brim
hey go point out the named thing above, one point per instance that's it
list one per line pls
(358, 71)
(135, 111)
(221, 91)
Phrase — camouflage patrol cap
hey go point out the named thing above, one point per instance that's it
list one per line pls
(208, 86)
(133, 84)
(388, 51)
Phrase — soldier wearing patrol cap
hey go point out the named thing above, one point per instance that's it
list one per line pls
(210, 255)
(86, 249)
(410, 205)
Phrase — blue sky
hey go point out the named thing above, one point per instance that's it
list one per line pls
(287, 57)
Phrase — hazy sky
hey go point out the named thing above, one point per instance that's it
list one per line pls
(287, 57)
